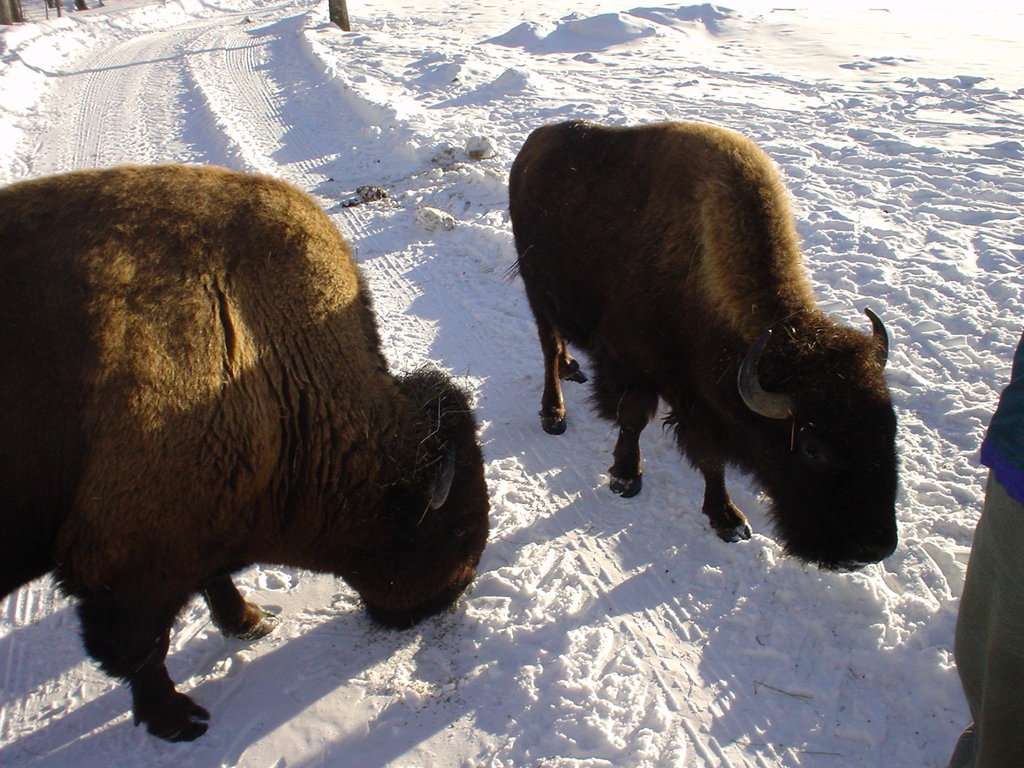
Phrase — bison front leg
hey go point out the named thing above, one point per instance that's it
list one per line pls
(232, 615)
(167, 714)
(729, 523)
(128, 634)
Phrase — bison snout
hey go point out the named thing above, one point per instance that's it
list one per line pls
(862, 553)
(404, 618)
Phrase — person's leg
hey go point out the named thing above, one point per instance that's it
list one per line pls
(990, 632)
(966, 747)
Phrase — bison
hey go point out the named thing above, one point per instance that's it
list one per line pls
(668, 252)
(191, 381)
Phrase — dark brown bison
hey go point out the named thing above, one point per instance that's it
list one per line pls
(668, 253)
(190, 382)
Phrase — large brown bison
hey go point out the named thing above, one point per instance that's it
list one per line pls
(190, 382)
(668, 253)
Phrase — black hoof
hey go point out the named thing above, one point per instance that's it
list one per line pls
(190, 732)
(627, 487)
(735, 533)
(572, 372)
(184, 720)
(552, 425)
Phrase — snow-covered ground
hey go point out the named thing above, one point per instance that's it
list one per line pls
(601, 631)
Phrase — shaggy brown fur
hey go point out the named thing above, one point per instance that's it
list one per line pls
(665, 251)
(190, 382)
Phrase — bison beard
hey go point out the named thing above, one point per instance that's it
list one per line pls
(669, 254)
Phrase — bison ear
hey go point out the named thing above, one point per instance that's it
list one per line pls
(881, 337)
(445, 475)
(771, 405)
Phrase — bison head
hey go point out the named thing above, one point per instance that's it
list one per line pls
(823, 445)
(436, 518)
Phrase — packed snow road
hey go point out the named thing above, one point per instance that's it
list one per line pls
(601, 631)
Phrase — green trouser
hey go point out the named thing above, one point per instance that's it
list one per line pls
(990, 637)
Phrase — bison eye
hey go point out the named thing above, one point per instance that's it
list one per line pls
(813, 452)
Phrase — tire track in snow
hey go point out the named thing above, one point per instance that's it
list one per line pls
(19, 676)
(26, 673)
(271, 98)
(226, 68)
(119, 105)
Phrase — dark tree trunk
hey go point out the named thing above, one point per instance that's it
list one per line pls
(338, 10)
(10, 12)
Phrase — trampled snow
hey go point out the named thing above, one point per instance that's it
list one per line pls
(601, 631)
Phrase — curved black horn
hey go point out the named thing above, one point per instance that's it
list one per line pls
(771, 405)
(445, 475)
(881, 336)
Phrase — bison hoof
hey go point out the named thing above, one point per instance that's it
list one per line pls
(572, 372)
(738, 532)
(261, 626)
(181, 720)
(251, 623)
(552, 425)
(627, 487)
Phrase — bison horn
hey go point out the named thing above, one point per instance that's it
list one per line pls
(771, 405)
(445, 475)
(881, 337)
